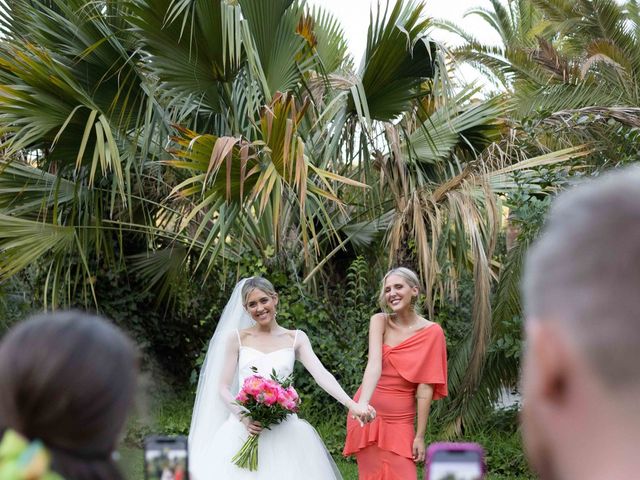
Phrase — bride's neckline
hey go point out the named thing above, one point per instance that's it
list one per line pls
(266, 353)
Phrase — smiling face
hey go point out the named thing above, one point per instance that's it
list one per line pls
(261, 306)
(398, 294)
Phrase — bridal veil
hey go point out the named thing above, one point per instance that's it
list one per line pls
(210, 411)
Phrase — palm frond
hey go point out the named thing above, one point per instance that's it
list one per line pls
(192, 47)
(272, 174)
(330, 41)
(163, 269)
(398, 59)
(274, 46)
(26, 191)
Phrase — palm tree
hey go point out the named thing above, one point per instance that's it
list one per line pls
(568, 70)
(73, 102)
(169, 135)
(560, 57)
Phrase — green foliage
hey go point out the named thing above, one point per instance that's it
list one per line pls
(510, 341)
(175, 336)
(505, 456)
(172, 332)
(167, 413)
(501, 438)
(16, 301)
(174, 415)
(338, 333)
(499, 434)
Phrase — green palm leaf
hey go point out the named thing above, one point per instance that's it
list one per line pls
(193, 46)
(398, 59)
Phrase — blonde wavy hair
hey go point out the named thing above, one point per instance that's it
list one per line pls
(259, 283)
(408, 275)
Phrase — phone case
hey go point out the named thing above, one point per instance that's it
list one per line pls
(166, 458)
(455, 447)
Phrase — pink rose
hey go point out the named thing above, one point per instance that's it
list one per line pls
(283, 396)
(293, 394)
(253, 385)
(242, 396)
(288, 399)
(269, 394)
(272, 384)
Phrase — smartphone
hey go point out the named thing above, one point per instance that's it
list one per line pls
(455, 461)
(166, 458)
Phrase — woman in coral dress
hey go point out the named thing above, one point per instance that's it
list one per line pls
(406, 370)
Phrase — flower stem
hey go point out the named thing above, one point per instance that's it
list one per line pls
(247, 457)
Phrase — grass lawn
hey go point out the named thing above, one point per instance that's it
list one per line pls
(132, 464)
(171, 416)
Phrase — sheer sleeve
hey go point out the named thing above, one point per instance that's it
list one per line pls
(326, 381)
(229, 368)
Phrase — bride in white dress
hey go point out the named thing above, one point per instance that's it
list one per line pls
(247, 336)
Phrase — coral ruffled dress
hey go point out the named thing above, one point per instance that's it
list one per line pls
(383, 447)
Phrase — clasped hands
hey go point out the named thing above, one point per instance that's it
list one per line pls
(364, 413)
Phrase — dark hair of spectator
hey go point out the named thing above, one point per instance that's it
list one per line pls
(68, 379)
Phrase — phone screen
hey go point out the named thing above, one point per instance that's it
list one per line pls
(165, 458)
(456, 465)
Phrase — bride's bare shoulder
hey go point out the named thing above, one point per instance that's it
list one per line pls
(291, 333)
(245, 333)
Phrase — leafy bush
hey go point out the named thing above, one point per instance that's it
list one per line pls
(505, 455)
(16, 301)
(339, 334)
(499, 434)
(172, 336)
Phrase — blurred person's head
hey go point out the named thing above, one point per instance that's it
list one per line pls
(581, 286)
(68, 380)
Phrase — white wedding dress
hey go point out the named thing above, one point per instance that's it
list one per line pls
(290, 450)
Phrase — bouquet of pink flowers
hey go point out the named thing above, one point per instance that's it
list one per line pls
(268, 401)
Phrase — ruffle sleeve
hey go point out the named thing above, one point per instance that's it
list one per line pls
(423, 359)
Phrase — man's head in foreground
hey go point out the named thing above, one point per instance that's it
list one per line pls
(581, 376)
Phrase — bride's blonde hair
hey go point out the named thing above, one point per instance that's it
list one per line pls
(408, 275)
(259, 283)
